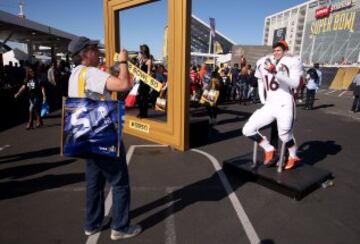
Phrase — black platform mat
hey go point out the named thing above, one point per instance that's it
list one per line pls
(295, 183)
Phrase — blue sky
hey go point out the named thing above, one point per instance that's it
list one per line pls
(240, 20)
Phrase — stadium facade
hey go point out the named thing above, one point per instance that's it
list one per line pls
(200, 40)
(320, 31)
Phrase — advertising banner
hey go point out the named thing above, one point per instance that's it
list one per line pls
(279, 34)
(332, 33)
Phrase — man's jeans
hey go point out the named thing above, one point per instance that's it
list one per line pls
(98, 171)
(310, 97)
(356, 104)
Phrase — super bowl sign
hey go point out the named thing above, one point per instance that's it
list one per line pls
(336, 22)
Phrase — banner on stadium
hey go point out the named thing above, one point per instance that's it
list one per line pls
(138, 73)
(331, 33)
(279, 34)
(218, 48)
(212, 26)
(336, 22)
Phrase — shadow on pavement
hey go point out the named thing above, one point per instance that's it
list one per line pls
(209, 189)
(14, 189)
(243, 115)
(267, 241)
(312, 152)
(214, 135)
(28, 155)
(323, 106)
(54, 115)
(31, 169)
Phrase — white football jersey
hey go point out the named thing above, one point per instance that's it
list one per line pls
(279, 86)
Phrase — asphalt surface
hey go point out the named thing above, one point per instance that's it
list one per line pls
(179, 197)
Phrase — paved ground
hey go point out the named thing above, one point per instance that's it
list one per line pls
(186, 197)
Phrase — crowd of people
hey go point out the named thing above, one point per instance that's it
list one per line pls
(238, 84)
(276, 81)
(40, 83)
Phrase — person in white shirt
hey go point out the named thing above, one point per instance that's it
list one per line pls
(98, 84)
(278, 75)
(312, 85)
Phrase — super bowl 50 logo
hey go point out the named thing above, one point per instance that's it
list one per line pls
(83, 122)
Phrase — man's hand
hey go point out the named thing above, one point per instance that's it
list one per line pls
(123, 55)
(269, 66)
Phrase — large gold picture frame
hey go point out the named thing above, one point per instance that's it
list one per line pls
(175, 131)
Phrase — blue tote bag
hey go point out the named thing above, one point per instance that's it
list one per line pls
(91, 128)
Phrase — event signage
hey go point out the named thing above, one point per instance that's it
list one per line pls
(331, 33)
(341, 5)
(325, 11)
(136, 125)
(138, 73)
(336, 22)
(322, 12)
(279, 34)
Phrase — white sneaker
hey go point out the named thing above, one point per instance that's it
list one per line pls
(131, 231)
(92, 232)
(105, 225)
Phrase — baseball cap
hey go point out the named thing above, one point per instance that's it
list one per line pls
(79, 43)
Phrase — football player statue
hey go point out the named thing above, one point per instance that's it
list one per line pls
(278, 74)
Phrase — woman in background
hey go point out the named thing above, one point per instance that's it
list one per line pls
(36, 92)
(146, 66)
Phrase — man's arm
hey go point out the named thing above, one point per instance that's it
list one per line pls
(261, 91)
(22, 88)
(122, 82)
(296, 72)
(43, 93)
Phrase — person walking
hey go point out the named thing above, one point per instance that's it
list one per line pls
(36, 93)
(312, 85)
(356, 103)
(212, 110)
(85, 55)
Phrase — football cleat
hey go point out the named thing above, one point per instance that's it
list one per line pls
(270, 158)
(292, 162)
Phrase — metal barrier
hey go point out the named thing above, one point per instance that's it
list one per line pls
(280, 163)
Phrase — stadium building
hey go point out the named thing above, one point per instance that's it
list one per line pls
(320, 31)
(200, 40)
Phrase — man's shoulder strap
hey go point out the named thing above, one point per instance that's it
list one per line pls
(81, 88)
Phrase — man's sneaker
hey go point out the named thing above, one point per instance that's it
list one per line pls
(291, 163)
(131, 231)
(270, 158)
(92, 232)
(105, 225)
